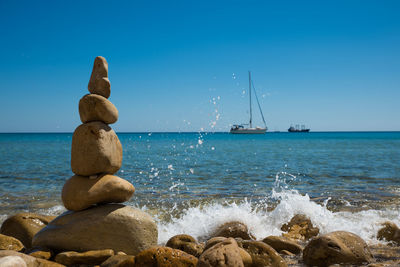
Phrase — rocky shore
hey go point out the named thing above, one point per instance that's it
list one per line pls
(231, 244)
(98, 230)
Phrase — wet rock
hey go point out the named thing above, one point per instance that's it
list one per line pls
(281, 243)
(224, 253)
(389, 232)
(10, 243)
(164, 257)
(246, 258)
(262, 254)
(233, 229)
(97, 108)
(186, 243)
(40, 252)
(110, 226)
(300, 227)
(119, 261)
(81, 192)
(95, 149)
(12, 261)
(337, 248)
(99, 83)
(212, 241)
(29, 260)
(93, 257)
(23, 226)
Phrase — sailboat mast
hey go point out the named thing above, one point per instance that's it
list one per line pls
(251, 126)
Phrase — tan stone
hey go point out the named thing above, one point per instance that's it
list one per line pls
(164, 257)
(186, 243)
(101, 86)
(281, 243)
(23, 226)
(12, 261)
(29, 260)
(40, 252)
(119, 261)
(97, 108)
(246, 258)
(110, 226)
(224, 253)
(337, 248)
(10, 243)
(300, 227)
(214, 240)
(99, 83)
(262, 254)
(95, 149)
(389, 232)
(80, 192)
(93, 257)
(233, 229)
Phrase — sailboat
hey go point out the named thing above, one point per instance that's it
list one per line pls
(241, 129)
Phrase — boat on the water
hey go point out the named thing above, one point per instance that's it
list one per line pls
(297, 129)
(240, 128)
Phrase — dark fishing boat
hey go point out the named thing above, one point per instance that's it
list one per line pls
(297, 129)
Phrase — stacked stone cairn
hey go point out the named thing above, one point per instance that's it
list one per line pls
(92, 223)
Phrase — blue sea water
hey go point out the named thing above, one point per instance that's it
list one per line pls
(182, 176)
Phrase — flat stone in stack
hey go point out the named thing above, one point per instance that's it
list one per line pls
(80, 193)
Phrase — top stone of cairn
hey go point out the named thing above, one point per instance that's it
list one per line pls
(99, 83)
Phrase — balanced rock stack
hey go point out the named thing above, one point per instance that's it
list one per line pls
(96, 154)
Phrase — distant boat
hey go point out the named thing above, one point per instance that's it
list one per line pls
(239, 128)
(297, 129)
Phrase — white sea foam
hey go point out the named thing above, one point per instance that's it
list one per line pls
(202, 221)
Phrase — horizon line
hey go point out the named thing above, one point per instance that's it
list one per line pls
(217, 132)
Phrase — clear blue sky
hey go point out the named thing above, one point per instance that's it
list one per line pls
(332, 65)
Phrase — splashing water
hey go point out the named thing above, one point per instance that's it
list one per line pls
(201, 221)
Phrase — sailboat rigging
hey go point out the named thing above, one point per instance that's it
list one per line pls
(240, 129)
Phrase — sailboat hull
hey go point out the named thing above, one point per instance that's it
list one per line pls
(248, 131)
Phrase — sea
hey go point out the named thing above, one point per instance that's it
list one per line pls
(193, 182)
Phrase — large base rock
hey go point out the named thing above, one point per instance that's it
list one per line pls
(80, 192)
(95, 149)
(110, 226)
